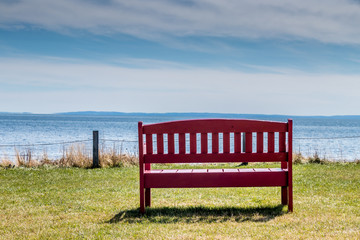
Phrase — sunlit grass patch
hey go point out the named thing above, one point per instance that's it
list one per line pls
(76, 203)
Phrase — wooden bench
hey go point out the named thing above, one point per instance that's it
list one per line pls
(215, 141)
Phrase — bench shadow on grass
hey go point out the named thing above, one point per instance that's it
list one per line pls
(199, 214)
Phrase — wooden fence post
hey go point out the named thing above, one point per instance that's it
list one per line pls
(96, 149)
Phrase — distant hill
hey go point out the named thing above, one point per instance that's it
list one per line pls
(203, 115)
(175, 114)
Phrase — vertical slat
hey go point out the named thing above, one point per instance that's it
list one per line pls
(204, 142)
(192, 143)
(226, 141)
(182, 147)
(271, 140)
(171, 145)
(149, 144)
(215, 142)
(248, 140)
(282, 147)
(237, 142)
(282, 143)
(260, 142)
(160, 143)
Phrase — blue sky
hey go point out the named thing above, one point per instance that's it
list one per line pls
(264, 57)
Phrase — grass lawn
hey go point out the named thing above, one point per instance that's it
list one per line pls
(72, 203)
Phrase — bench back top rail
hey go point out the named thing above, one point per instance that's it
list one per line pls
(215, 140)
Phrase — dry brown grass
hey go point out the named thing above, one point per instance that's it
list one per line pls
(75, 155)
(25, 159)
(5, 162)
(113, 157)
(298, 158)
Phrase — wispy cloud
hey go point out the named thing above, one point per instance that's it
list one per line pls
(43, 86)
(331, 21)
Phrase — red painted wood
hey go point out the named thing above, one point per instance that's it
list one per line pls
(149, 151)
(149, 144)
(284, 195)
(215, 142)
(182, 147)
(215, 178)
(213, 158)
(160, 143)
(171, 144)
(282, 143)
(290, 184)
(204, 143)
(259, 142)
(192, 143)
(215, 125)
(237, 142)
(147, 197)
(282, 147)
(141, 167)
(248, 142)
(147, 166)
(271, 142)
(226, 142)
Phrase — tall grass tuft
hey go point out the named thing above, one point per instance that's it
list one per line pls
(76, 156)
(6, 163)
(113, 157)
(316, 159)
(25, 159)
(298, 158)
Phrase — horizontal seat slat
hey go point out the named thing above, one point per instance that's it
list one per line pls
(216, 178)
(214, 126)
(216, 158)
(204, 170)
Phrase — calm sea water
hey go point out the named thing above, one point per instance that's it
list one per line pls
(333, 138)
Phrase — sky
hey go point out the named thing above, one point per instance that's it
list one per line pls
(249, 57)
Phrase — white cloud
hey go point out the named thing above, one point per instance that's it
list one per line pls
(333, 21)
(45, 87)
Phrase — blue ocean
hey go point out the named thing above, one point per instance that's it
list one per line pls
(334, 138)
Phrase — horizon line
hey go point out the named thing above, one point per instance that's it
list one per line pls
(109, 113)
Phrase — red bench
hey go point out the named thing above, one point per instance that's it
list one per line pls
(200, 141)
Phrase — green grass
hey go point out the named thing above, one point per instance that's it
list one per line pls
(73, 203)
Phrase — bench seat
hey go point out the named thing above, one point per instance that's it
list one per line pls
(202, 178)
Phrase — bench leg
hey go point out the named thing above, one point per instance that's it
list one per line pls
(284, 195)
(147, 197)
(142, 200)
(290, 205)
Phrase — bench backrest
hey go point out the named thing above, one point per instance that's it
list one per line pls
(215, 140)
